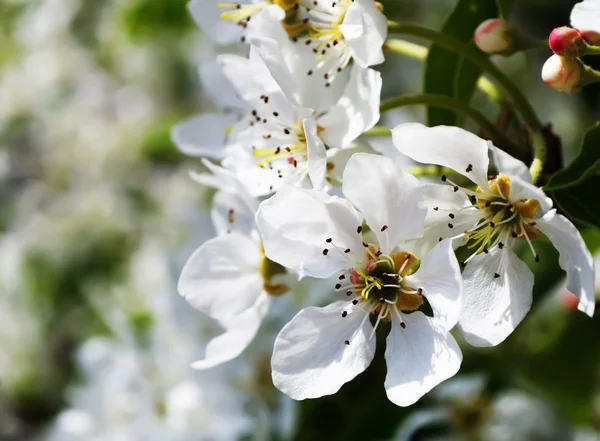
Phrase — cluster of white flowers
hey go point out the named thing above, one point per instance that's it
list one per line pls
(301, 194)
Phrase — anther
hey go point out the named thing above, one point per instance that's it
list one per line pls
(537, 259)
(344, 314)
(348, 293)
(500, 245)
(308, 42)
(455, 188)
(365, 244)
(420, 291)
(347, 250)
(440, 239)
(355, 301)
(469, 168)
(385, 227)
(329, 240)
(275, 114)
(451, 215)
(338, 286)
(346, 342)
(450, 226)
(325, 251)
(444, 178)
(436, 208)
(359, 229)
(254, 113)
(286, 131)
(403, 325)
(342, 277)
(310, 72)
(492, 224)
(496, 275)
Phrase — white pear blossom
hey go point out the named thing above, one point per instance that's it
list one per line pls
(319, 235)
(337, 32)
(277, 139)
(228, 277)
(491, 219)
(585, 17)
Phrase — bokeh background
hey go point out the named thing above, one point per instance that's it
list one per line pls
(98, 215)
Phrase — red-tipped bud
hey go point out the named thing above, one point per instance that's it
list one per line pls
(567, 42)
(562, 74)
(494, 36)
(568, 299)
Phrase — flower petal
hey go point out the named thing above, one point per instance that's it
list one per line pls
(574, 258)
(520, 189)
(311, 358)
(242, 330)
(203, 135)
(439, 277)
(450, 147)
(231, 213)
(295, 224)
(509, 165)
(365, 29)
(208, 17)
(585, 16)
(388, 198)
(418, 358)
(221, 278)
(316, 154)
(217, 86)
(338, 158)
(494, 306)
(447, 217)
(356, 111)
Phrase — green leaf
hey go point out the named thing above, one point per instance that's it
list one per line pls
(580, 201)
(445, 71)
(586, 164)
(505, 7)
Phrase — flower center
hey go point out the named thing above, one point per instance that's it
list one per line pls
(502, 218)
(379, 283)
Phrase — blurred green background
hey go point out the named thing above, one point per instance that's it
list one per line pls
(88, 93)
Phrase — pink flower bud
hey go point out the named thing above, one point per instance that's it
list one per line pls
(567, 42)
(493, 36)
(562, 74)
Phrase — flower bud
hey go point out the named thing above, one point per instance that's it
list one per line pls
(562, 74)
(494, 36)
(567, 42)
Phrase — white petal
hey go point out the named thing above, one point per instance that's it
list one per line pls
(356, 111)
(217, 86)
(221, 278)
(494, 306)
(338, 158)
(509, 165)
(208, 17)
(203, 135)
(249, 76)
(439, 277)
(574, 258)
(418, 358)
(585, 16)
(231, 213)
(450, 147)
(520, 189)
(295, 224)
(310, 357)
(445, 207)
(269, 51)
(386, 196)
(316, 154)
(237, 336)
(365, 29)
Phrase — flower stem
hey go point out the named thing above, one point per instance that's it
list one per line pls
(480, 59)
(539, 156)
(419, 52)
(447, 102)
(378, 131)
